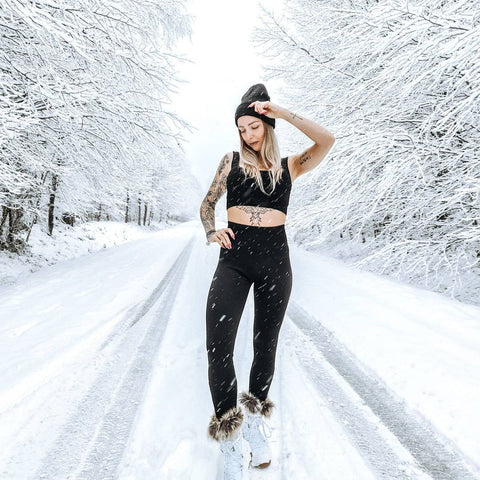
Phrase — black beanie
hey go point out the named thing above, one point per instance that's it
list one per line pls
(254, 93)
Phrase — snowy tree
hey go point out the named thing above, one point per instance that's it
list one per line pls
(397, 83)
(84, 90)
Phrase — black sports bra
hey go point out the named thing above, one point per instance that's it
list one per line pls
(243, 190)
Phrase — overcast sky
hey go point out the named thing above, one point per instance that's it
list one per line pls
(226, 65)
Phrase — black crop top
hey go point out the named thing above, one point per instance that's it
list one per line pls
(243, 190)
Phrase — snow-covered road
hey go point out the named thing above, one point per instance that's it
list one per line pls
(104, 371)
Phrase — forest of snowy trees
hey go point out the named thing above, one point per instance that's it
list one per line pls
(86, 131)
(398, 83)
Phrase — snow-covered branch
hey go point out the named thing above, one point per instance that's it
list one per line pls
(398, 84)
(84, 94)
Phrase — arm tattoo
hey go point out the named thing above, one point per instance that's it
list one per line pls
(255, 213)
(304, 157)
(294, 116)
(216, 190)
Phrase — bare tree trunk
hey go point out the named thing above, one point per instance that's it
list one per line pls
(139, 220)
(12, 242)
(4, 217)
(126, 207)
(145, 209)
(10, 227)
(51, 205)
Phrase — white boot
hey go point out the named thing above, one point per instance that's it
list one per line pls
(253, 428)
(232, 457)
(227, 431)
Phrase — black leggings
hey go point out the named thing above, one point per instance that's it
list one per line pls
(259, 255)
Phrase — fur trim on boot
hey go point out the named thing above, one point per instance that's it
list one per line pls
(267, 407)
(225, 427)
(254, 405)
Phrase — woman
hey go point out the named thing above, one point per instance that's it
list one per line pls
(254, 250)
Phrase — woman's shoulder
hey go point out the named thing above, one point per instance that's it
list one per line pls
(228, 158)
(229, 161)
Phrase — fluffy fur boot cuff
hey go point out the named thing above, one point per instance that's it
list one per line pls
(253, 405)
(225, 427)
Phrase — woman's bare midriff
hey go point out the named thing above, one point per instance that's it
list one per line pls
(256, 216)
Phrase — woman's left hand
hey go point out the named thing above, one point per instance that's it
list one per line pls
(268, 109)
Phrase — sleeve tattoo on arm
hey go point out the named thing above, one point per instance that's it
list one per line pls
(216, 190)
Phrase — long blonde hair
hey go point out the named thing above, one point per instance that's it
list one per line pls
(270, 152)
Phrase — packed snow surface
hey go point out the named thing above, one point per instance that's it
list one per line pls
(104, 371)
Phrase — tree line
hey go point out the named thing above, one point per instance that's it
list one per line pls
(399, 84)
(86, 132)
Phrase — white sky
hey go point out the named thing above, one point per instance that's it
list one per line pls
(226, 65)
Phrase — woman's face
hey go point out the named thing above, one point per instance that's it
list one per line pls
(252, 131)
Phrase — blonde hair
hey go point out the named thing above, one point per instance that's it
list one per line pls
(270, 152)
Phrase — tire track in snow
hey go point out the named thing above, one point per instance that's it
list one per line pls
(287, 420)
(244, 348)
(51, 376)
(284, 453)
(92, 442)
(141, 308)
(436, 456)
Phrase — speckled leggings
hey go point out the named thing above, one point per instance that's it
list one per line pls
(259, 255)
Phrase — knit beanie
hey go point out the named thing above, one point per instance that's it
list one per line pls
(254, 93)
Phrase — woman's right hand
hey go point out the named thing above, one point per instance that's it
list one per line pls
(221, 237)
